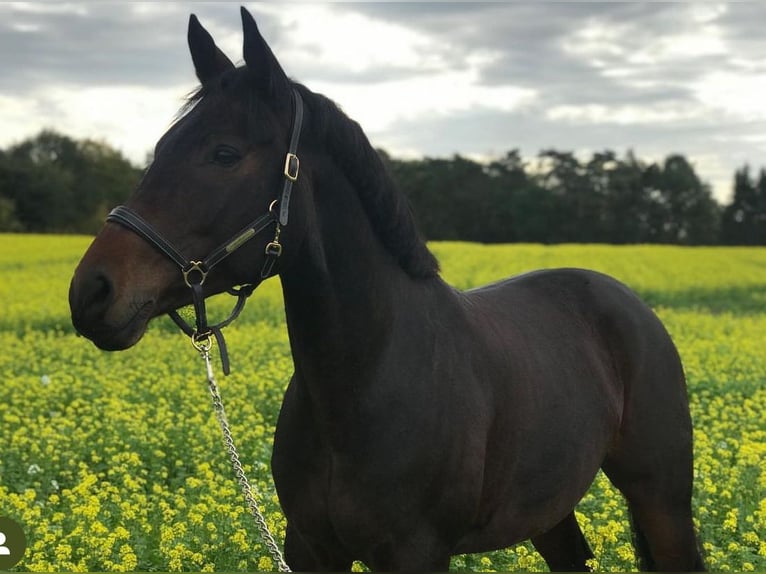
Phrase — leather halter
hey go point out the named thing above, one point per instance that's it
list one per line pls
(195, 271)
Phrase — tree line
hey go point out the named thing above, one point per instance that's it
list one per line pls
(557, 198)
(53, 183)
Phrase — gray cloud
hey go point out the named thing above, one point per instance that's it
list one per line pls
(590, 65)
(98, 44)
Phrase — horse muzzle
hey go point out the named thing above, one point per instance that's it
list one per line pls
(115, 290)
(99, 315)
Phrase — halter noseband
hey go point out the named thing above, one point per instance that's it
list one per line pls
(195, 271)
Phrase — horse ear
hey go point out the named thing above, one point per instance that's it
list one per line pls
(259, 57)
(209, 61)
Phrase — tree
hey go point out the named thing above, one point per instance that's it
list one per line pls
(40, 194)
(577, 210)
(449, 196)
(9, 221)
(693, 214)
(744, 220)
(627, 202)
(502, 219)
(55, 183)
(759, 218)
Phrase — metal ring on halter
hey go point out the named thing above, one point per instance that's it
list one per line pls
(192, 267)
(272, 205)
(203, 342)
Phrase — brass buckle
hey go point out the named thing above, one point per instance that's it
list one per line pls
(274, 248)
(191, 268)
(292, 166)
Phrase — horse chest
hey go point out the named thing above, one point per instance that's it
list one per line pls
(379, 485)
(329, 497)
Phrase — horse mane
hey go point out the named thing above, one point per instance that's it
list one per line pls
(387, 208)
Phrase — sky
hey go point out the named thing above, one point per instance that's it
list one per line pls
(422, 78)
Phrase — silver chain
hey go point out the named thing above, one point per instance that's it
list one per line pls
(239, 472)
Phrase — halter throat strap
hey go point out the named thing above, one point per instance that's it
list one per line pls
(195, 271)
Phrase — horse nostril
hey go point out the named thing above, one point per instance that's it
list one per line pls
(95, 294)
(101, 289)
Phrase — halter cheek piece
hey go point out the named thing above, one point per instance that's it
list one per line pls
(196, 271)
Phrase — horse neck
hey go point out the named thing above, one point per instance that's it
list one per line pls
(343, 294)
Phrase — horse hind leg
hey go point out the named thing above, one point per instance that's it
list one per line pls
(564, 547)
(664, 537)
(651, 459)
(641, 544)
(657, 483)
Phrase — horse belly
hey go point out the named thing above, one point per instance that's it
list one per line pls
(553, 428)
(533, 485)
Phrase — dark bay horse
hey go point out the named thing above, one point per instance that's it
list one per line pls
(421, 421)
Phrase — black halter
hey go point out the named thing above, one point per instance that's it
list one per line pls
(195, 271)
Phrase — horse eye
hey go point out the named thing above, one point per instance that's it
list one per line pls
(226, 156)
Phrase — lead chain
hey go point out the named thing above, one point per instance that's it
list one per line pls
(239, 472)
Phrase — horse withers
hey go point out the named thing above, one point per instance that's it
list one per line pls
(421, 421)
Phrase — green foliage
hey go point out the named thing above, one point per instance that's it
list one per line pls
(744, 220)
(560, 199)
(113, 461)
(52, 183)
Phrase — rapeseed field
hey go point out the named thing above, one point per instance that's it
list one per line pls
(113, 461)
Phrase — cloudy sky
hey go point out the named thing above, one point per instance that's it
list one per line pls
(428, 78)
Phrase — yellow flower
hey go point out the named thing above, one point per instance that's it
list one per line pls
(730, 523)
(751, 538)
(626, 553)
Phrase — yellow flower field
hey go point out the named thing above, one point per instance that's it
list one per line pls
(113, 461)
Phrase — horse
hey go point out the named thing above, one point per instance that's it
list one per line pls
(421, 421)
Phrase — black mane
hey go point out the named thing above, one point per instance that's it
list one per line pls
(387, 208)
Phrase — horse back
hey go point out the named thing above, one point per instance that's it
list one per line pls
(555, 312)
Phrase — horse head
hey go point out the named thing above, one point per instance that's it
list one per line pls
(220, 166)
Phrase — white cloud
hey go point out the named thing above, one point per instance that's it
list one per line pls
(324, 37)
(26, 28)
(596, 41)
(14, 117)
(702, 13)
(77, 8)
(378, 106)
(330, 44)
(131, 119)
(604, 44)
(624, 114)
(738, 94)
